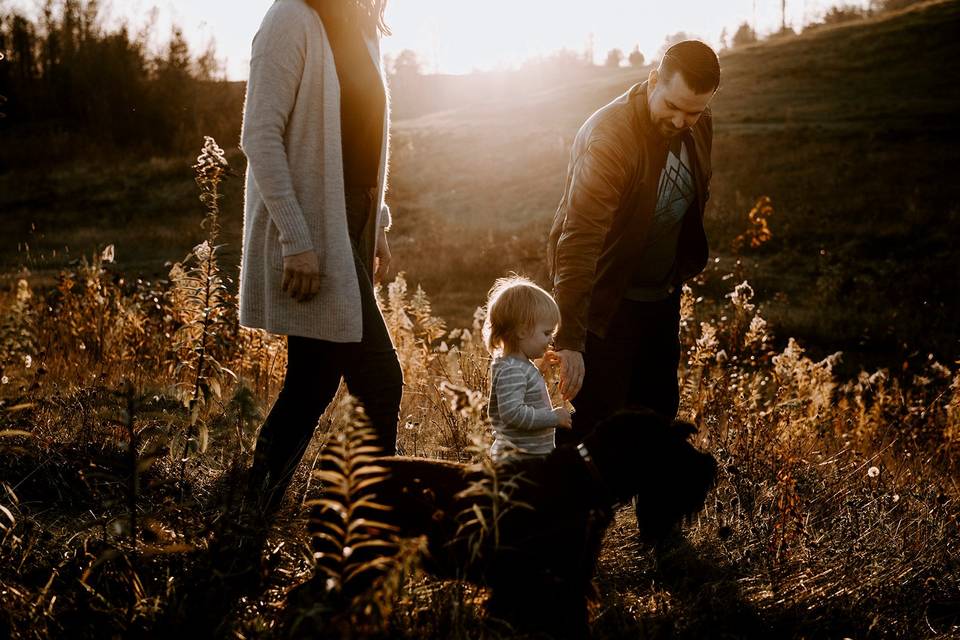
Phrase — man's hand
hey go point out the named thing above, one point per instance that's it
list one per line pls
(301, 276)
(571, 373)
(382, 256)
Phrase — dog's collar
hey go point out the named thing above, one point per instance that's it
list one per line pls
(595, 475)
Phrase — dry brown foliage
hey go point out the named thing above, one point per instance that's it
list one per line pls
(836, 509)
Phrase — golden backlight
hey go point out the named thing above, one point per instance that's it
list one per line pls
(459, 36)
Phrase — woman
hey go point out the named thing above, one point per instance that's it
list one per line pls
(315, 136)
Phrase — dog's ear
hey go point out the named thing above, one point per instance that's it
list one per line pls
(684, 428)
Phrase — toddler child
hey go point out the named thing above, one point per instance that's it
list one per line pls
(520, 323)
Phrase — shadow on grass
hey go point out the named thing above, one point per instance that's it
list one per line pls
(679, 593)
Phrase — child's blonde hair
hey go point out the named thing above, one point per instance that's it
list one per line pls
(514, 306)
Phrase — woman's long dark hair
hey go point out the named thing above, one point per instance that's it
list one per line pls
(368, 12)
(376, 10)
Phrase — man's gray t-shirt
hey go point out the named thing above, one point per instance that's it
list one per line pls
(653, 275)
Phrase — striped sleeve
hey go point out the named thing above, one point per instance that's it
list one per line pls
(510, 387)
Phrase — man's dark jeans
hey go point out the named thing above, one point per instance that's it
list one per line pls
(634, 365)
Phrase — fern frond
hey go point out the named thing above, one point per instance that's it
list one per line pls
(368, 524)
(354, 548)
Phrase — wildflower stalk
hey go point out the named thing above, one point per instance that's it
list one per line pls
(133, 492)
(134, 486)
(202, 298)
(18, 337)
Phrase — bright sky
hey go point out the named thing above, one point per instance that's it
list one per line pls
(458, 36)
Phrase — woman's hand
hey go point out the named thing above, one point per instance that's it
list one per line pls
(382, 257)
(301, 276)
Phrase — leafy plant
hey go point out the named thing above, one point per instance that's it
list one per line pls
(758, 232)
(205, 309)
(356, 552)
(344, 518)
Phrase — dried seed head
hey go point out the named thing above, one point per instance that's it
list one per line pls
(211, 163)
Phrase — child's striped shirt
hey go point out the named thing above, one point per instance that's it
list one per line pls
(520, 409)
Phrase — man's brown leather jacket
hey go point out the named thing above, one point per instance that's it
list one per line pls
(607, 209)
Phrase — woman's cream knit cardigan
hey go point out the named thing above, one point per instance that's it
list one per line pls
(294, 187)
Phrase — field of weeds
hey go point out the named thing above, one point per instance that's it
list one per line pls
(129, 409)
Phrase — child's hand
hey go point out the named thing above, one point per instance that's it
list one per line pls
(564, 419)
(549, 366)
(549, 359)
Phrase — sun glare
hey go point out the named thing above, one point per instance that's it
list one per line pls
(460, 36)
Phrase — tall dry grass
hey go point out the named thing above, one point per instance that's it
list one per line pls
(129, 410)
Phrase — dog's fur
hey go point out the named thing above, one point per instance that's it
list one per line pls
(540, 573)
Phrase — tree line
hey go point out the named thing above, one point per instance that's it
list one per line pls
(745, 34)
(72, 86)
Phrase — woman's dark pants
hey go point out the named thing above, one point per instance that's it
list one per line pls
(370, 369)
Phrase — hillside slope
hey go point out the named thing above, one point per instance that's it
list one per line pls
(846, 128)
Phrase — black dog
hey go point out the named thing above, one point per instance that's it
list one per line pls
(539, 555)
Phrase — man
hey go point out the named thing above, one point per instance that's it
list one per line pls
(627, 233)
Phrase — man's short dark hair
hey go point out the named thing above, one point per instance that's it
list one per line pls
(696, 61)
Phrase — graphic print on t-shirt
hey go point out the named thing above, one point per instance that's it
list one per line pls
(676, 191)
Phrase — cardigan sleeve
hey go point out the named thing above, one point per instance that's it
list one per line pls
(276, 68)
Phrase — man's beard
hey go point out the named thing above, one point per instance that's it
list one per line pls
(668, 131)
